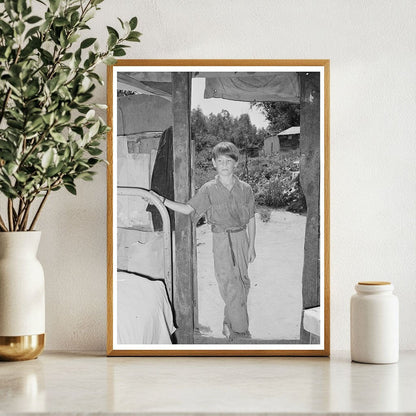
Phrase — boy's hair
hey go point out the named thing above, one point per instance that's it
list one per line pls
(225, 149)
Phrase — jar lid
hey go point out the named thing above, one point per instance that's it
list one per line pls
(374, 283)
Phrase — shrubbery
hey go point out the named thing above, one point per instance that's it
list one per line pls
(274, 179)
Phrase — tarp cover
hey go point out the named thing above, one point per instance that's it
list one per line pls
(281, 86)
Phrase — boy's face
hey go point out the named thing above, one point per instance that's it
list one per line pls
(225, 165)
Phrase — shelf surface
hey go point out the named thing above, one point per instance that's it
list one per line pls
(86, 383)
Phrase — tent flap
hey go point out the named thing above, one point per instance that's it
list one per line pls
(281, 86)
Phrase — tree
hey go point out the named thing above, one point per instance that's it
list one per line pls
(244, 133)
(208, 131)
(199, 129)
(281, 115)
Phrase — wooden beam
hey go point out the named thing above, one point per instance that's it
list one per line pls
(310, 182)
(183, 278)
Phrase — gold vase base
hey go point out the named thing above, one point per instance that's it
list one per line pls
(21, 348)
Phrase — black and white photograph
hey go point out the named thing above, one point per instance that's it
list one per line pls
(218, 218)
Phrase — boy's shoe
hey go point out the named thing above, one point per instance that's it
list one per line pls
(241, 335)
(232, 335)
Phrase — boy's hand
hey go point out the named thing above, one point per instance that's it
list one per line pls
(251, 254)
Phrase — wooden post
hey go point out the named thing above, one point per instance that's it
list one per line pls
(183, 276)
(194, 246)
(310, 181)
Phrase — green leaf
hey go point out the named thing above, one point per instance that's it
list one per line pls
(94, 129)
(83, 98)
(90, 14)
(92, 161)
(77, 130)
(111, 30)
(73, 38)
(67, 56)
(31, 31)
(90, 115)
(96, 77)
(53, 83)
(70, 188)
(33, 19)
(48, 118)
(16, 124)
(87, 42)
(20, 28)
(134, 36)
(63, 41)
(10, 168)
(6, 29)
(52, 171)
(67, 153)
(110, 60)
(27, 11)
(119, 52)
(10, 8)
(94, 151)
(121, 22)
(8, 191)
(78, 154)
(82, 166)
(21, 177)
(47, 158)
(86, 176)
(112, 41)
(133, 23)
(58, 137)
(34, 125)
(54, 4)
(46, 56)
(74, 18)
(21, 5)
(4, 145)
(61, 21)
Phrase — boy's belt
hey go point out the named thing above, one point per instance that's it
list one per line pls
(229, 231)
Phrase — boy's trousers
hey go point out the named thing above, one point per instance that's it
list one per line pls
(231, 270)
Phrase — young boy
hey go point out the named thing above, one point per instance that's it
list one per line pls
(229, 207)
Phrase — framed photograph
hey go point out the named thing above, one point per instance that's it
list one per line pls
(218, 208)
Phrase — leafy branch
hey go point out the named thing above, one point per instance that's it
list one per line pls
(50, 134)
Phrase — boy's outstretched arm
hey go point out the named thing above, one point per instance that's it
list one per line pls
(179, 207)
(251, 239)
(175, 206)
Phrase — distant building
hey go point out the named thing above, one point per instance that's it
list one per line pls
(286, 139)
(289, 138)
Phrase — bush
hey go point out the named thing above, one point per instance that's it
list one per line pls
(274, 179)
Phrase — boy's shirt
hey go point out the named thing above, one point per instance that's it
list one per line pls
(224, 209)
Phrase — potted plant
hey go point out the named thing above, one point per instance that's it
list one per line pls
(50, 136)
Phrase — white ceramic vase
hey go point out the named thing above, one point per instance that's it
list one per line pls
(22, 296)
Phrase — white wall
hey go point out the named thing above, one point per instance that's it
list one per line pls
(371, 45)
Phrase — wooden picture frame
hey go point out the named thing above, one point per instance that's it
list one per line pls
(137, 121)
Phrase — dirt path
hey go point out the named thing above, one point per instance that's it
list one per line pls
(275, 298)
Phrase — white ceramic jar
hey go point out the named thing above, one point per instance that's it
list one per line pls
(374, 323)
